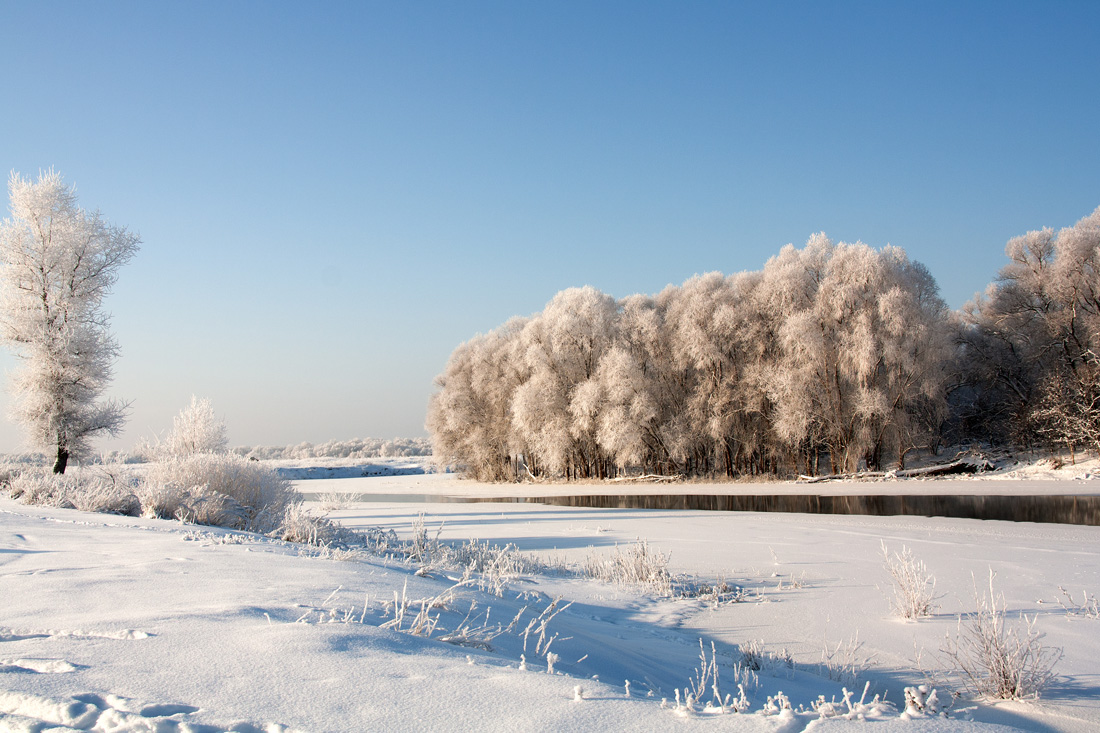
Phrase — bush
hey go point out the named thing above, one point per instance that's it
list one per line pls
(298, 525)
(221, 489)
(193, 505)
(996, 660)
(638, 566)
(914, 587)
(82, 490)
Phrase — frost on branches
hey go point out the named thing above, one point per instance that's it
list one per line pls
(1029, 345)
(834, 357)
(197, 430)
(57, 262)
(833, 354)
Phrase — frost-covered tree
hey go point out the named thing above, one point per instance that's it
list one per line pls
(196, 430)
(1005, 339)
(716, 337)
(863, 349)
(57, 263)
(832, 351)
(644, 422)
(1067, 411)
(787, 293)
(1031, 341)
(470, 417)
(556, 411)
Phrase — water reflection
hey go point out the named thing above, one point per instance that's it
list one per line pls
(1057, 509)
(1053, 509)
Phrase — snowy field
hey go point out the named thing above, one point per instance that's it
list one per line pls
(125, 624)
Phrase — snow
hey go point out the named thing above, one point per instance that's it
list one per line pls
(127, 624)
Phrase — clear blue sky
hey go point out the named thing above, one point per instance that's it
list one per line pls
(332, 196)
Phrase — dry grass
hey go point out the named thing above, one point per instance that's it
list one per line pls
(997, 659)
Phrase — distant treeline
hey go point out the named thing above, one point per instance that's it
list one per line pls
(355, 448)
(833, 357)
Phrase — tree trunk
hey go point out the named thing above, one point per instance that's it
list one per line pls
(62, 460)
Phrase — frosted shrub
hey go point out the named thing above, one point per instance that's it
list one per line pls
(76, 490)
(334, 500)
(102, 494)
(755, 658)
(38, 488)
(844, 661)
(200, 505)
(705, 682)
(921, 701)
(862, 709)
(998, 660)
(493, 565)
(638, 566)
(298, 525)
(914, 587)
(1089, 607)
(223, 489)
(484, 565)
(424, 549)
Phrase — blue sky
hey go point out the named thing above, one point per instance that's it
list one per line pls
(332, 196)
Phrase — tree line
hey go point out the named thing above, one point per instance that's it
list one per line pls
(833, 357)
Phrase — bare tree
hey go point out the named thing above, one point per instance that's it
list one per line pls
(57, 263)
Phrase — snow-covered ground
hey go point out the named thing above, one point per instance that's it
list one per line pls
(117, 623)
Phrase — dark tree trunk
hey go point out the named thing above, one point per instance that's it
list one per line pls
(62, 460)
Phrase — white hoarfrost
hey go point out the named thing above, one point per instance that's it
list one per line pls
(835, 350)
(196, 430)
(57, 263)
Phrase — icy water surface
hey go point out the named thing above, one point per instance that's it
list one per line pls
(1053, 509)
(1057, 509)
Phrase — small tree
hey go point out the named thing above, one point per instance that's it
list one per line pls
(197, 430)
(57, 262)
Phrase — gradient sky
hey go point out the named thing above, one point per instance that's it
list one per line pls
(332, 196)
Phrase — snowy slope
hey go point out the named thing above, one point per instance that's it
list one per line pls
(114, 623)
(821, 580)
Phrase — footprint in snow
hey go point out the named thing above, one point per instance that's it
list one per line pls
(38, 666)
(126, 705)
(92, 712)
(9, 635)
(120, 634)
